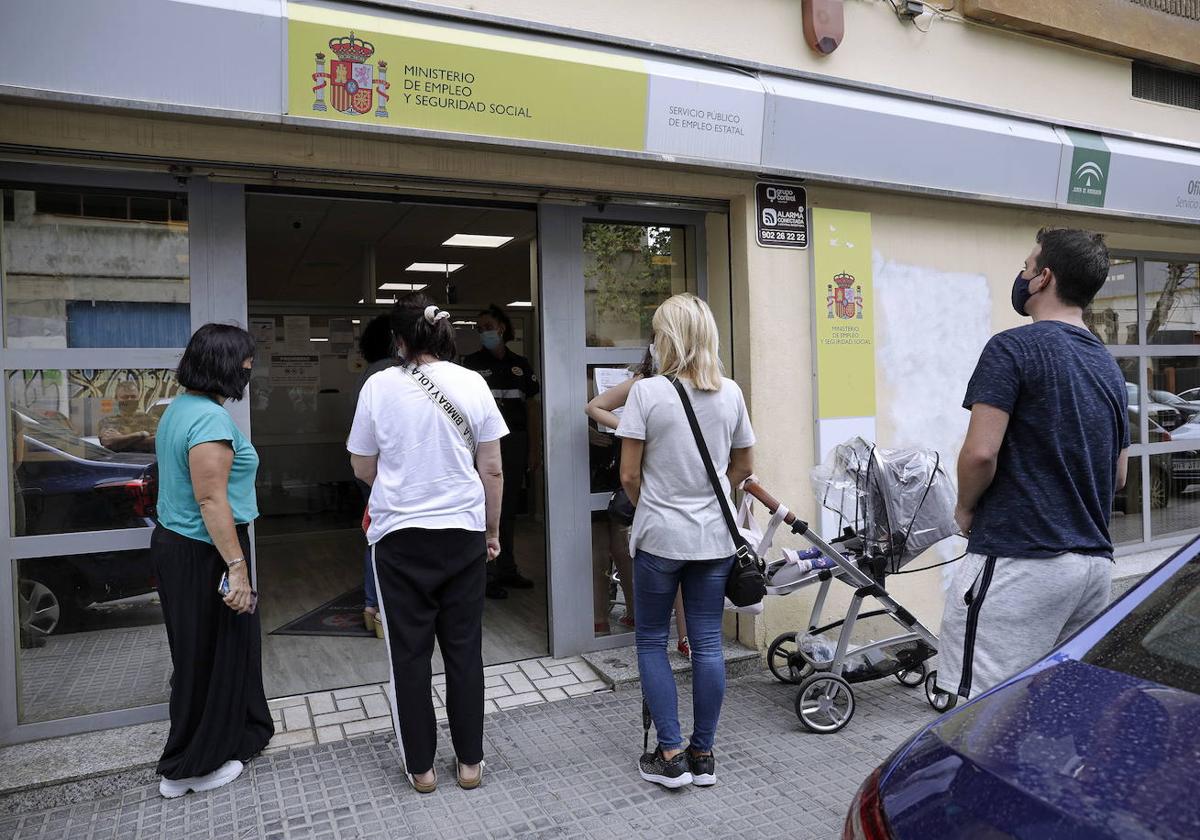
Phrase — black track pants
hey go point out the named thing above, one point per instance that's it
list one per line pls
(431, 585)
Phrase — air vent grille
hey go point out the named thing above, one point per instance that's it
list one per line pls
(1170, 87)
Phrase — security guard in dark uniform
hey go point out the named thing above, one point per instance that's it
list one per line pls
(514, 385)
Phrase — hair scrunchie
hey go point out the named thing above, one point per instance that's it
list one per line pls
(433, 314)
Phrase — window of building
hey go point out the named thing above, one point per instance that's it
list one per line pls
(1149, 314)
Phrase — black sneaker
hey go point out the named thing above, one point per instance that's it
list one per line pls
(670, 773)
(703, 769)
(496, 591)
(516, 581)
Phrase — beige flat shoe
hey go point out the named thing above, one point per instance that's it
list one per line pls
(378, 626)
(369, 620)
(422, 787)
(470, 782)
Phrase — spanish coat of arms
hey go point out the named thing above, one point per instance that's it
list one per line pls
(846, 301)
(351, 81)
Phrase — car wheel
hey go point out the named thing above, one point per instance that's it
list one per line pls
(911, 677)
(1160, 489)
(824, 703)
(941, 701)
(785, 661)
(39, 608)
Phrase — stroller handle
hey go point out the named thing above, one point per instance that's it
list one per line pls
(799, 526)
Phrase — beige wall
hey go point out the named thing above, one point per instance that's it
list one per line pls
(943, 246)
(959, 59)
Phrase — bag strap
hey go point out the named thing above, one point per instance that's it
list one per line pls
(446, 408)
(739, 542)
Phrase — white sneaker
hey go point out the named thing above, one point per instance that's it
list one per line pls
(223, 775)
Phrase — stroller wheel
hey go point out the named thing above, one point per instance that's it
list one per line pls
(941, 701)
(911, 677)
(824, 703)
(785, 661)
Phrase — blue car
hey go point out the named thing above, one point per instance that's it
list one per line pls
(1101, 739)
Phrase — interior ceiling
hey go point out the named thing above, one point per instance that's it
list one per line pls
(314, 250)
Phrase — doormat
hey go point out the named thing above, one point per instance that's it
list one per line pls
(340, 617)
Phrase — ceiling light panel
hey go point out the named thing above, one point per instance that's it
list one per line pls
(402, 287)
(439, 268)
(476, 240)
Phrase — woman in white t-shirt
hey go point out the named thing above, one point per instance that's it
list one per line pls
(679, 535)
(426, 437)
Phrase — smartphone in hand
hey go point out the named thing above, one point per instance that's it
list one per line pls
(223, 591)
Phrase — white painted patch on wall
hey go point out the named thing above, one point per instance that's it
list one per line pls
(930, 327)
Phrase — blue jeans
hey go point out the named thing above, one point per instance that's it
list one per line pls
(372, 598)
(655, 581)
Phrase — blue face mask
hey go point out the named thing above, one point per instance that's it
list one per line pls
(490, 339)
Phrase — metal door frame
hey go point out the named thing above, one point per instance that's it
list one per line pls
(565, 359)
(216, 247)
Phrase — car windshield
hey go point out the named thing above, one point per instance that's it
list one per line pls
(1160, 639)
(1165, 397)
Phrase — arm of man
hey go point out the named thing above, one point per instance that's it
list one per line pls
(1122, 469)
(210, 463)
(491, 470)
(602, 406)
(117, 442)
(741, 466)
(977, 459)
(365, 467)
(631, 467)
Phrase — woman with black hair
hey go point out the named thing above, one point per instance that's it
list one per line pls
(378, 351)
(200, 553)
(513, 385)
(426, 437)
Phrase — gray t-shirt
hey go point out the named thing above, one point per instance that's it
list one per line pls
(678, 516)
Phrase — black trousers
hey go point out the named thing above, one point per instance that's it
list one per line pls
(514, 457)
(218, 708)
(431, 585)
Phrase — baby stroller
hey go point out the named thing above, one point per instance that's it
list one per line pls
(893, 505)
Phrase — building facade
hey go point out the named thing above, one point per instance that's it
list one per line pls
(854, 217)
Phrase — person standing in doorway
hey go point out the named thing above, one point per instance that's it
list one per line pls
(679, 535)
(426, 437)
(1046, 449)
(602, 409)
(379, 353)
(514, 385)
(206, 502)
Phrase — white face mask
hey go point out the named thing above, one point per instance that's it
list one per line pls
(654, 357)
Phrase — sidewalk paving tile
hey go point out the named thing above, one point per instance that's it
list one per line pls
(534, 784)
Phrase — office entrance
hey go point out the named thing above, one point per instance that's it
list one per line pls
(578, 285)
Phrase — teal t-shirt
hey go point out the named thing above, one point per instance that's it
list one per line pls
(190, 420)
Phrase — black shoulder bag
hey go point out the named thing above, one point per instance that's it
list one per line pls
(747, 583)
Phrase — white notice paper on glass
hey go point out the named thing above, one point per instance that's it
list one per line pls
(297, 330)
(606, 378)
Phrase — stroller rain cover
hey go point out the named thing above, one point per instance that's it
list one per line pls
(901, 501)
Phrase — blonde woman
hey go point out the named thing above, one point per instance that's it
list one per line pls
(679, 537)
(602, 409)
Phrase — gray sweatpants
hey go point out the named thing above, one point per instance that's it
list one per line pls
(1004, 613)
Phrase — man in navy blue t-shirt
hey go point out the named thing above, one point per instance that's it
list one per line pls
(1045, 451)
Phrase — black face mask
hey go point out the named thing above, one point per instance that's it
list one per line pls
(245, 374)
(1021, 293)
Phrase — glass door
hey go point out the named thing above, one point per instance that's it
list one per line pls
(604, 272)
